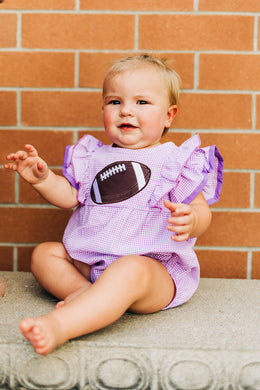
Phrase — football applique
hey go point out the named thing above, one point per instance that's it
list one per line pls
(119, 181)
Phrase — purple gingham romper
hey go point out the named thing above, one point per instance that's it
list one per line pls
(100, 231)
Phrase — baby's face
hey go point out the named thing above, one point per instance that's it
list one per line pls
(136, 108)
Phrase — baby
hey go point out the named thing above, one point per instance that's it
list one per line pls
(140, 206)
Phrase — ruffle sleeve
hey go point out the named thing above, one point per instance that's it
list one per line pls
(188, 171)
(75, 164)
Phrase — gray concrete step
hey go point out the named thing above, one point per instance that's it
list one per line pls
(210, 343)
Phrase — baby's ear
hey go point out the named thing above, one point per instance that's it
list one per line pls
(172, 111)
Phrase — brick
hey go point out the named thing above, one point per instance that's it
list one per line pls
(227, 71)
(235, 191)
(27, 195)
(7, 191)
(75, 31)
(8, 108)
(32, 225)
(138, 5)
(93, 67)
(49, 108)
(50, 144)
(240, 151)
(8, 27)
(229, 5)
(196, 32)
(258, 111)
(175, 137)
(214, 111)
(257, 190)
(37, 4)
(256, 265)
(36, 69)
(24, 258)
(222, 264)
(6, 258)
(230, 228)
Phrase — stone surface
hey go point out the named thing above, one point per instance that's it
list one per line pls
(211, 342)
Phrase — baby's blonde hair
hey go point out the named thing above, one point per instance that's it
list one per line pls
(172, 79)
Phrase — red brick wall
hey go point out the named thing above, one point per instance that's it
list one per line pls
(53, 55)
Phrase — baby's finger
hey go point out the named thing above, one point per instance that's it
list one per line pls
(10, 156)
(179, 220)
(21, 155)
(31, 150)
(171, 206)
(180, 237)
(177, 209)
(13, 167)
(179, 229)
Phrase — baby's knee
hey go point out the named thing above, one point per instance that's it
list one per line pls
(37, 255)
(135, 269)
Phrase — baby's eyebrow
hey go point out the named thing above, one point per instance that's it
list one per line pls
(142, 96)
(108, 97)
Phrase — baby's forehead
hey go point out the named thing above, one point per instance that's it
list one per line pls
(146, 73)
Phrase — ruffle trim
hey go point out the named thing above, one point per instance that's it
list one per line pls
(75, 164)
(195, 170)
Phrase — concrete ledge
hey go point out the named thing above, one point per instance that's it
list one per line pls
(212, 342)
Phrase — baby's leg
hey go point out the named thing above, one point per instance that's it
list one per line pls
(137, 283)
(57, 272)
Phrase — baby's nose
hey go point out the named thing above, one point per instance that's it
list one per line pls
(126, 110)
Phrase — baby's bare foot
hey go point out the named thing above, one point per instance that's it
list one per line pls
(44, 333)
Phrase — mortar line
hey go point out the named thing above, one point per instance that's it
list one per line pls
(254, 111)
(19, 31)
(196, 71)
(227, 248)
(69, 50)
(196, 5)
(18, 107)
(252, 189)
(136, 33)
(15, 259)
(18, 244)
(197, 247)
(172, 130)
(16, 188)
(249, 265)
(132, 12)
(77, 5)
(255, 37)
(97, 89)
(76, 70)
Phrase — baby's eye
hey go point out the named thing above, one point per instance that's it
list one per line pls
(142, 102)
(114, 101)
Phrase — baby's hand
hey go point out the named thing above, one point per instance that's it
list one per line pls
(28, 164)
(181, 221)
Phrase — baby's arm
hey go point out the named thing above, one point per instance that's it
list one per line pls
(54, 188)
(188, 220)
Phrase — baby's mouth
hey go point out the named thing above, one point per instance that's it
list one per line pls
(127, 126)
